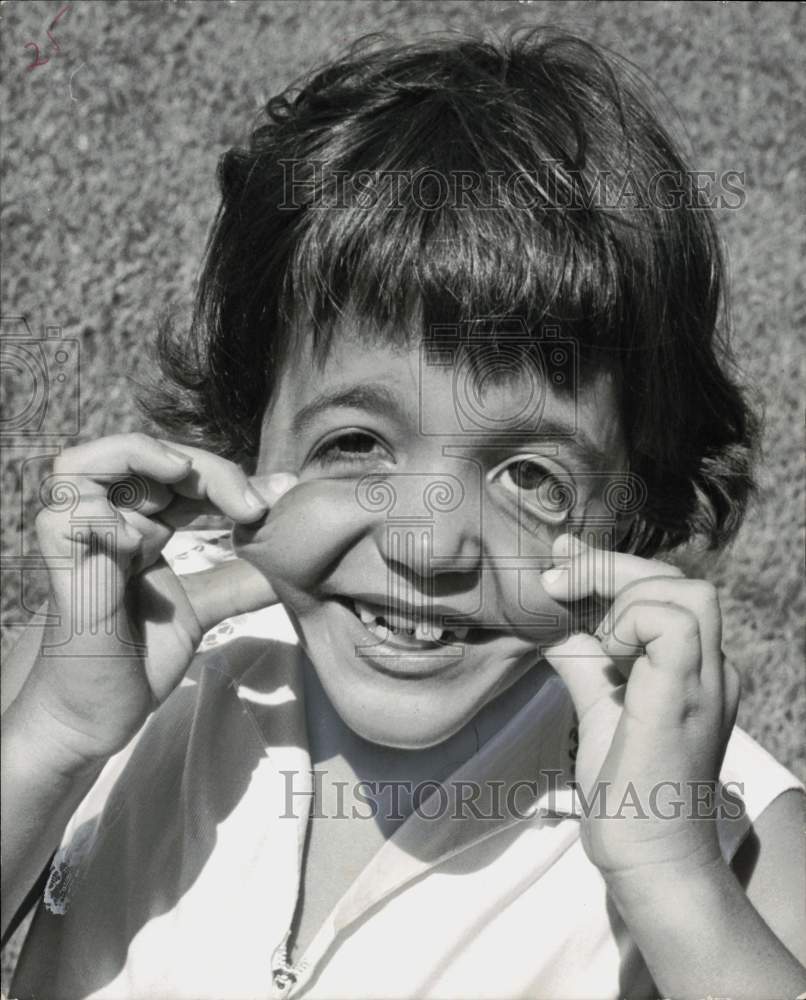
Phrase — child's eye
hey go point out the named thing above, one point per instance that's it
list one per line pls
(352, 446)
(543, 492)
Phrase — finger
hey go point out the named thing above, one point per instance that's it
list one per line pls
(90, 521)
(587, 672)
(88, 558)
(174, 510)
(114, 456)
(697, 597)
(224, 484)
(133, 492)
(155, 536)
(666, 678)
(192, 472)
(65, 497)
(126, 491)
(181, 512)
(132, 470)
(583, 570)
(231, 588)
(140, 493)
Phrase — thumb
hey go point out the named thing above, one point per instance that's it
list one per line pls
(236, 587)
(232, 588)
(585, 669)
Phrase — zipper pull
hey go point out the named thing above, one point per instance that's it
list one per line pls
(283, 979)
(283, 974)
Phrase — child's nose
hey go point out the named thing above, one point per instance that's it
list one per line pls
(427, 523)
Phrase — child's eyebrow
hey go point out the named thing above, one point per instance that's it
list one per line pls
(371, 396)
(552, 433)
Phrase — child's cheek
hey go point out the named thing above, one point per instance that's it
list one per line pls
(308, 528)
(312, 527)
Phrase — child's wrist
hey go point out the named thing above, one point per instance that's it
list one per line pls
(669, 886)
(699, 933)
(49, 746)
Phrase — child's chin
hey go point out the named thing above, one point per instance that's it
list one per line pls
(400, 733)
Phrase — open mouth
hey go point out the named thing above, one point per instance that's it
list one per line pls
(403, 632)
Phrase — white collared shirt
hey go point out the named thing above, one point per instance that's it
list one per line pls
(179, 874)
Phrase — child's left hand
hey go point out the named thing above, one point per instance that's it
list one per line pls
(656, 704)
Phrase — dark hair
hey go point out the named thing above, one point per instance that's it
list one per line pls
(338, 202)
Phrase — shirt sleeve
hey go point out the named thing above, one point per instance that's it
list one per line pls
(751, 779)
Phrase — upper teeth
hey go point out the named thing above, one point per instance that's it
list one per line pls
(397, 624)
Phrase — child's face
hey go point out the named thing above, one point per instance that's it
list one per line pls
(455, 520)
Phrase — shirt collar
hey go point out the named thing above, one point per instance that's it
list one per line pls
(523, 771)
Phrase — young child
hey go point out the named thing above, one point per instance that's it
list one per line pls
(454, 375)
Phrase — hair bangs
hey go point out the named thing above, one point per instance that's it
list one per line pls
(443, 226)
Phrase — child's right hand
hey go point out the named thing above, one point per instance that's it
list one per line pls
(128, 626)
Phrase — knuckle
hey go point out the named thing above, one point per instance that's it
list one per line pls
(670, 571)
(684, 621)
(704, 593)
(635, 594)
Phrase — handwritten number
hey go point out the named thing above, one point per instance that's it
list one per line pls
(55, 20)
(38, 61)
(53, 24)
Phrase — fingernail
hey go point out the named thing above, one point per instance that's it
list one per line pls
(552, 576)
(281, 482)
(254, 499)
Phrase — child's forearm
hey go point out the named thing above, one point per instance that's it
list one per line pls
(701, 936)
(19, 660)
(41, 788)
